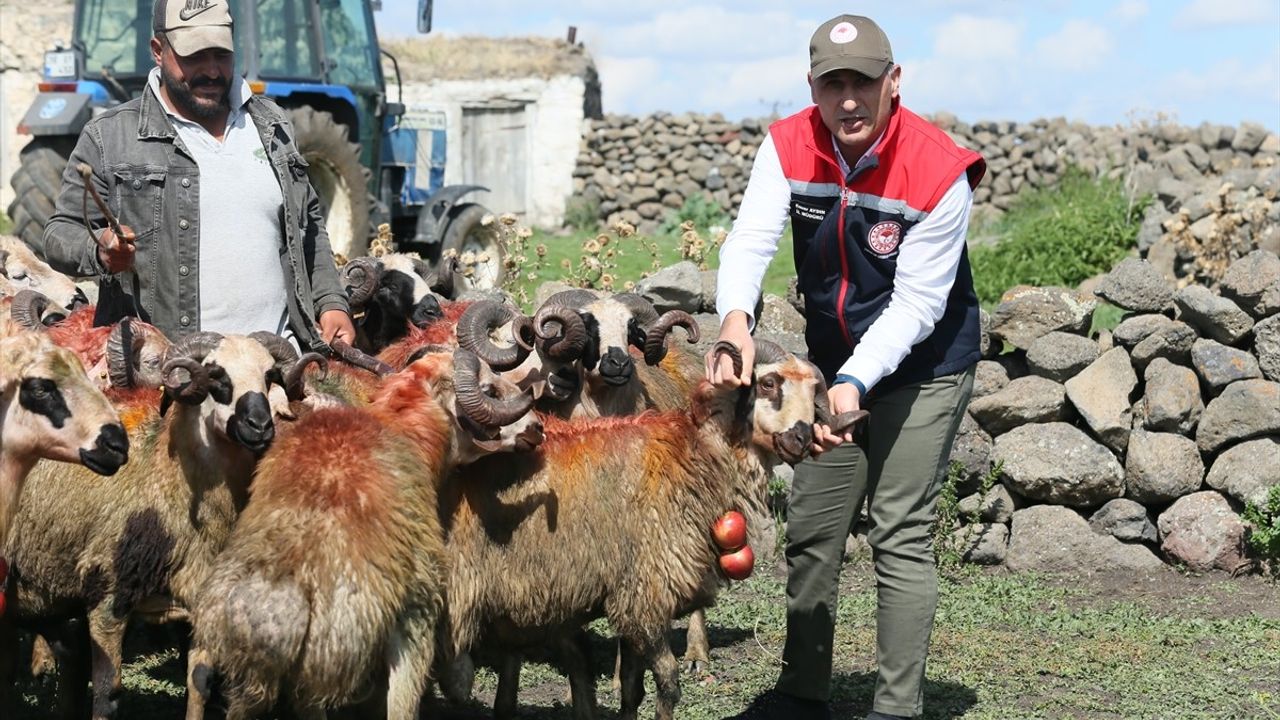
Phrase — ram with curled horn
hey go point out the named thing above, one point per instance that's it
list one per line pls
(125, 354)
(278, 619)
(715, 455)
(392, 294)
(598, 372)
(140, 547)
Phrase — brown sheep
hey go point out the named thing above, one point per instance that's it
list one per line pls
(332, 580)
(142, 545)
(612, 517)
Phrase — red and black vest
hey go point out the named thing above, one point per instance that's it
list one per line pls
(847, 231)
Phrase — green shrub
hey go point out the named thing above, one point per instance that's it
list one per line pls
(1264, 528)
(698, 209)
(6, 225)
(582, 213)
(1058, 236)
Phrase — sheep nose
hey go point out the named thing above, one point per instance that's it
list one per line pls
(112, 438)
(251, 424)
(425, 311)
(110, 450)
(793, 444)
(617, 365)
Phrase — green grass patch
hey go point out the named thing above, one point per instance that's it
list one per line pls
(633, 258)
(6, 225)
(1057, 236)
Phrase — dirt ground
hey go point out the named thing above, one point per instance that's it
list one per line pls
(1102, 645)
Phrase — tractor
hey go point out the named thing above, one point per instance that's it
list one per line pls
(320, 60)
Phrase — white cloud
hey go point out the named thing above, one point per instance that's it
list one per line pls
(1128, 11)
(759, 87)
(1079, 46)
(1199, 13)
(971, 38)
(703, 32)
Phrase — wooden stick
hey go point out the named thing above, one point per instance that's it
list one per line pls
(86, 173)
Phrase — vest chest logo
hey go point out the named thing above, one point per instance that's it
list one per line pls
(883, 237)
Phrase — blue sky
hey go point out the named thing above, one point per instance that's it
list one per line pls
(1104, 61)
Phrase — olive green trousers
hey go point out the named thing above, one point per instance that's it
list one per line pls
(897, 466)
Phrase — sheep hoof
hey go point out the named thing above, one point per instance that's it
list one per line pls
(696, 666)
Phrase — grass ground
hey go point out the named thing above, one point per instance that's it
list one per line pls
(1112, 646)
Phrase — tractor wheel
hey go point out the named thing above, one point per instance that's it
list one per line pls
(36, 185)
(339, 178)
(477, 247)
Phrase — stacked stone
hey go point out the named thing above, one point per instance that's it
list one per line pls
(1216, 187)
(1127, 448)
(642, 169)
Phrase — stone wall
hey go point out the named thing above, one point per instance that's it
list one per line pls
(640, 169)
(1114, 449)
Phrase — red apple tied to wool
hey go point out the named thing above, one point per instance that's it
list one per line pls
(738, 565)
(730, 531)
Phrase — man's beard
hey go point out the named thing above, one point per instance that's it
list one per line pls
(183, 96)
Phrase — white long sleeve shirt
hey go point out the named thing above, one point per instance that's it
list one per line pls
(928, 259)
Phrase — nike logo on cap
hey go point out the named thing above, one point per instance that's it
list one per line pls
(193, 8)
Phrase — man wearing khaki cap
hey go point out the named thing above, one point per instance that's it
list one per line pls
(220, 228)
(879, 203)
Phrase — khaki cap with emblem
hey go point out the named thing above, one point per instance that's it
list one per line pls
(193, 25)
(849, 42)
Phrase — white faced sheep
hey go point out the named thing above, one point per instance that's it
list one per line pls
(142, 545)
(49, 410)
(21, 269)
(612, 517)
(332, 580)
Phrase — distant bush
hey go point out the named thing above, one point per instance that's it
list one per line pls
(582, 213)
(698, 209)
(1058, 236)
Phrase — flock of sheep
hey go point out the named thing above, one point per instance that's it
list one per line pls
(469, 482)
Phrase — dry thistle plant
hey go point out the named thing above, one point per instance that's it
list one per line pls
(696, 249)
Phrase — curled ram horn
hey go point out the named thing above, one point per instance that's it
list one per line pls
(348, 354)
(294, 377)
(122, 345)
(838, 424)
(734, 353)
(522, 332)
(768, 352)
(576, 298)
(475, 404)
(439, 280)
(187, 355)
(292, 368)
(655, 340)
(571, 340)
(360, 277)
(641, 309)
(30, 309)
(474, 327)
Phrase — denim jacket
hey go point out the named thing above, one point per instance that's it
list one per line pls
(150, 181)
